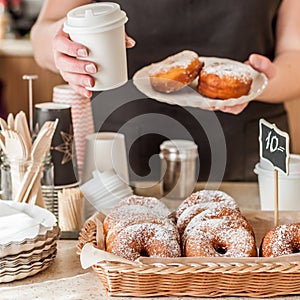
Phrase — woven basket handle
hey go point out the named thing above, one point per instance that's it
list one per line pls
(90, 256)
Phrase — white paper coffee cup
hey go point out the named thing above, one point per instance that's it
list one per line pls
(288, 185)
(101, 28)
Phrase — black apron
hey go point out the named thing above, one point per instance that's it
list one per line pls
(228, 144)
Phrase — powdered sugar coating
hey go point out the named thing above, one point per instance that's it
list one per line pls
(135, 212)
(281, 240)
(236, 71)
(179, 60)
(206, 196)
(147, 238)
(142, 219)
(233, 218)
(151, 202)
(219, 237)
(206, 208)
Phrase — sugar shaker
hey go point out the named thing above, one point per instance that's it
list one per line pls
(178, 168)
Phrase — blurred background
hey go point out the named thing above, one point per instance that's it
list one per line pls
(22, 15)
(16, 59)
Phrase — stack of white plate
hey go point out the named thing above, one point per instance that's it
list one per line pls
(28, 240)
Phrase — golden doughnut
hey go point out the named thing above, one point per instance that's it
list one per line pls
(175, 72)
(281, 240)
(141, 226)
(224, 81)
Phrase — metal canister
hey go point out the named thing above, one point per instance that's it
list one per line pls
(178, 168)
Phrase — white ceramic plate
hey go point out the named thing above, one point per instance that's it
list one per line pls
(188, 96)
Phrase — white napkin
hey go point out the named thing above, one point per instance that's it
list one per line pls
(90, 255)
(16, 225)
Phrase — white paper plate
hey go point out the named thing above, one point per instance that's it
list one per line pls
(188, 96)
(30, 244)
(27, 264)
(26, 272)
(24, 222)
(27, 257)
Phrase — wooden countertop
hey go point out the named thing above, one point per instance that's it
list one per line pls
(65, 279)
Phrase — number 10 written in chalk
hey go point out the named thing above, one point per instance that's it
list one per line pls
(274, 145)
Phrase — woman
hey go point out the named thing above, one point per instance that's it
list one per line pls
(265, 33)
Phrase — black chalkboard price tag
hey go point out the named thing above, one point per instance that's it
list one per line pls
(274, 146)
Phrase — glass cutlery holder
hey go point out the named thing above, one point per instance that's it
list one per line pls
(13, 175)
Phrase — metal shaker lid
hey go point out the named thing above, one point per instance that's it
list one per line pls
(178, 150)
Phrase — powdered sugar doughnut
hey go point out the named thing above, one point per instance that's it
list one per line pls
(146, 239)
(206, 196)
(140, 226)
(224, 80)
(281, 240)
(220, 237)
(233, 216)
(175, 72)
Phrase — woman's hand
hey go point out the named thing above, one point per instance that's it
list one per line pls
(74, 71)
(77, 72)
(261, 64)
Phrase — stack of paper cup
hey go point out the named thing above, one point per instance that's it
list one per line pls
(105, 190)
(82, 118)
(105, 152)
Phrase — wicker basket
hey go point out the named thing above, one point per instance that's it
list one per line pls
(201, 277)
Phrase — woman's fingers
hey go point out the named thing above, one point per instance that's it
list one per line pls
(62, 43)
(235, 110)
(65, 53)
(78, 79)
(262, 64)
(81, 90)
(67, 63)
(130, 42)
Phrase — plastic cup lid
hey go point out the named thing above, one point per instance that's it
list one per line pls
(94, 17)
(52, 106)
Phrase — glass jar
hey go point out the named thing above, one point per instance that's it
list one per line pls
(14, 174)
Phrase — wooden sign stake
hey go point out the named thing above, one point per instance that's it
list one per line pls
(276, 209)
